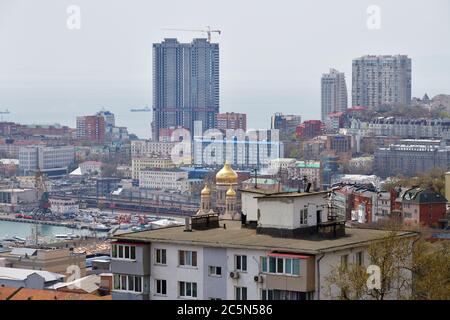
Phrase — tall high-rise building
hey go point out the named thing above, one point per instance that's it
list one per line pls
(110, 123)
(285, 123)
(334, 93)
(185, 84)
(91, 128)
(110, 120)
(381, 80)
(231, 120)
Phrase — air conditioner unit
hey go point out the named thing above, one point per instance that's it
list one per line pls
(258, 279)
(234, 275)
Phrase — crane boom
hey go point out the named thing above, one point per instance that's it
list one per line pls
(208, 31)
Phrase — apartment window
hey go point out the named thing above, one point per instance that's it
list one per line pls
(241, 263)
(161, 256)
(215, 271)
(263, 264)
(344, 261)
(240, 293)
(127, 283)
(359, 257)
(188, 289)
(122, 251)
(161, 287)
(285, 295)
(188, 258)
(304, 216)
(277, 265)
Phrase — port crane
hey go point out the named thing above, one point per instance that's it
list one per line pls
(208, 31)
(43, 211)
(3, 112)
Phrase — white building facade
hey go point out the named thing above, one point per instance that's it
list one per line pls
(275, 256)
(170, 179)
(334, 93)
(45, 158)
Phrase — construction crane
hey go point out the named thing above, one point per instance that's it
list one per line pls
(208, 31)
(2, 112)
(43, 211)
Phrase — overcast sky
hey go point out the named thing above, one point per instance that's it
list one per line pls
(272, 53)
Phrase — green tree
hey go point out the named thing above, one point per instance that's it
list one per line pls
(434, 179)
(431, 270)
(392, 255)
(410, 269)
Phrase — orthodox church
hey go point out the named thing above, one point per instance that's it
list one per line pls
(226, 201)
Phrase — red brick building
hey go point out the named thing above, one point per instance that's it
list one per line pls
(423, 207)
(309, 129)
(46, 130)
(15, 129)
(91, 128)
(362, 206)
(231, 120)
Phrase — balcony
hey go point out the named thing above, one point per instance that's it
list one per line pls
(304, 282)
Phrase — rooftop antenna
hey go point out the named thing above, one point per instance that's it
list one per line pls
(305, 181)
(256, 177)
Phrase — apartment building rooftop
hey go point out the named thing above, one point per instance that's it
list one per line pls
(233, 236)
(22, 274)
(284, 194)
(7, 293)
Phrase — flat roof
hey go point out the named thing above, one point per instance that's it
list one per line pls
(259, 191)
(295, 194)
(308, 164)
(15, 190)
(22, 274)
(235, 237)
(267, 193)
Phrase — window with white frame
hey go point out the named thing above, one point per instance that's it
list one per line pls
(187, 289)
(129, 283)
(215, 271)
(161, 287)
(187, 258)
(240, 263)
(304, 216)
(161, 256)
(280, 265)
(123, 251)
(240, 293)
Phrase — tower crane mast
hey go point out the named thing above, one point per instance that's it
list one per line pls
(3, 112)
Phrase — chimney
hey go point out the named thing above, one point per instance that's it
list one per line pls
(308, 187)
(187, 224)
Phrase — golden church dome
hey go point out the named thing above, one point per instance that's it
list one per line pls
(226, 175)
(231, 192)
(206, 191)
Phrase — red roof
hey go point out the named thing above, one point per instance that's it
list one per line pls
(356, 108)
(336, 114)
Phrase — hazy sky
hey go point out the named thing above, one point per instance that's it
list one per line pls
(272, 53)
